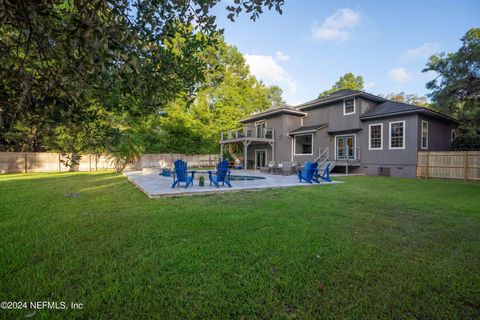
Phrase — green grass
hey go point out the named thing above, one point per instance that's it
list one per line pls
(373, 247)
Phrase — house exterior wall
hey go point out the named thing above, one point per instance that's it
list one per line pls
(398, 162)
(401, 162)
(439, 134)
(282, 124)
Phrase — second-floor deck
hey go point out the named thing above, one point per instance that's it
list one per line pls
(248, 133)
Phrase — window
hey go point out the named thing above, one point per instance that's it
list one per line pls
(261, 125)
(348, 106)
(453, 135)
(303, 144)
(397, 135)
(375, 140)
(424, 134)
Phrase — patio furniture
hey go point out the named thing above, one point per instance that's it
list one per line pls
(222, 175)
(270, 168)
(182, 174)
(166, 172)
(288, 168)
(278, 169)
(309, 172)
(323, 173)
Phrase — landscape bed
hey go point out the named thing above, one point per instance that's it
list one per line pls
(374, 247)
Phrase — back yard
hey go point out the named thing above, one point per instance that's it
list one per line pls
(370, 248)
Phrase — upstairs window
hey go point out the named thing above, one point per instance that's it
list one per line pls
(375, 141)
(303, 144)
(348, 106)
(397, 135)
(424, 134)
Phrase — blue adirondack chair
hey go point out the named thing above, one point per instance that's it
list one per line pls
(323, 173)
(182, 174)
(222, 175)
(309, 172)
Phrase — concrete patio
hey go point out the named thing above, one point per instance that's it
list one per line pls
(156, 186)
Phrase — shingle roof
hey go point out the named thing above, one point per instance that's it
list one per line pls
(309, 128)
(390, 107)
(277, 109)
(336, 96)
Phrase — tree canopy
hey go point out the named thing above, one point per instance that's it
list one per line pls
(410, 98)
(74, 74)
(347, 81)
(231, 93)
(456, 88)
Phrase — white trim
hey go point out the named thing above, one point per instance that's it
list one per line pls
(390, 135)
(266, 156)
(370, 136)
(421, 135)
(354, 146)
(454, 136)
(354, 107)
(295, 145)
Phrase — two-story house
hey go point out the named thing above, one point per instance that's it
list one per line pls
(361, 132)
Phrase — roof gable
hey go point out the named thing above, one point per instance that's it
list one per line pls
(338, 95)
(283, 109)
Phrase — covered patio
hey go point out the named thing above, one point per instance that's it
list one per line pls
(246, 136)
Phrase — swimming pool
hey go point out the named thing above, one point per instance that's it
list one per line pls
(235, 177)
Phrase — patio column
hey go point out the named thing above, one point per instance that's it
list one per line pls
(245, 157)
(221, 151)
(272, 144)
(245, 146)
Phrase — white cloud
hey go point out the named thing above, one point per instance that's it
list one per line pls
(400, 74)
(280, 56)
(422, 52)
(267, 69)
(337, 26)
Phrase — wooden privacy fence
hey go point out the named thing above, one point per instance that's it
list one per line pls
(11, 162)
(449, 165)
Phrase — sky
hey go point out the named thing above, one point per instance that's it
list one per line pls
(307, 48)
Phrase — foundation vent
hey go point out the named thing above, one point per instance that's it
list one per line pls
(384, 171)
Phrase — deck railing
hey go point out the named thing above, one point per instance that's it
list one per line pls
(249, 132)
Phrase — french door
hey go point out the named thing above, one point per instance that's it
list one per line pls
(260, 159)
(260, 127)
(345, 147)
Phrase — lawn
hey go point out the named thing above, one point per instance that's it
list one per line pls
(373, 247)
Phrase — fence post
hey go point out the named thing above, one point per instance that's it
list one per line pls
(25, 162)
(89, 162)
(465, 174)
(428, 165)
(59, 163)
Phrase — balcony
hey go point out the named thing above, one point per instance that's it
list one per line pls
(248, 133)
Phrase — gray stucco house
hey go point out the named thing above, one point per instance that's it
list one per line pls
(361, 132)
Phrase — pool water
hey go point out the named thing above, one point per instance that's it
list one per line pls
(234, 177)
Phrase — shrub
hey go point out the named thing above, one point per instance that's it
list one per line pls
(467, 142)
